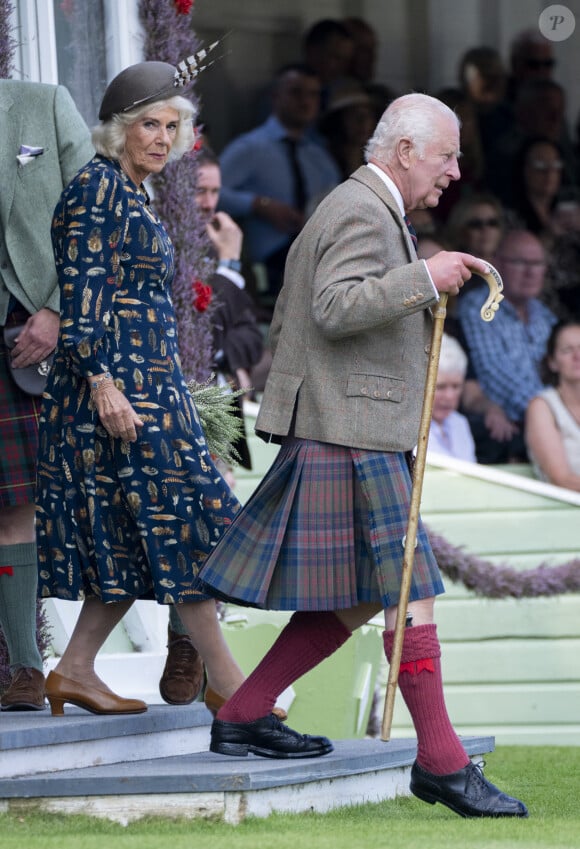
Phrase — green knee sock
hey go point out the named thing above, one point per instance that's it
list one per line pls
(18, 604)
(175, 622)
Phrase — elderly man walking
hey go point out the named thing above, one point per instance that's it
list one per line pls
(322, 534)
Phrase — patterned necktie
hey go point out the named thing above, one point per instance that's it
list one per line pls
(299, 184)
(411, 230)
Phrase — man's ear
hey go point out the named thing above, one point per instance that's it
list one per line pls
(404, 152)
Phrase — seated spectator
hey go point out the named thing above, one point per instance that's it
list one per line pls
(531, 58)
(482, 79)
(537, 179)
(472, 159)
(347, 125)
(237, 338)
(363, 57)
(484, 416)
(562, 287)
(327, 48)
(362, 67)
(475, 225)
(506, 353)
(553, 417)
(482, 76)
(449, 432)
(539, 112)
(274, 175)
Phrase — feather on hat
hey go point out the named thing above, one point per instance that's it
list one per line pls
(147, 82)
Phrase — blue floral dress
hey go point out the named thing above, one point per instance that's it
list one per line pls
(121, 520)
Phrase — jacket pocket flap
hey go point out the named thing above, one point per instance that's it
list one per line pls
(375, 386)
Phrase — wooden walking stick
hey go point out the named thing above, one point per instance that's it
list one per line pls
(487, 313)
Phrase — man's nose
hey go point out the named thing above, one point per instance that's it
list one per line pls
(453, 171)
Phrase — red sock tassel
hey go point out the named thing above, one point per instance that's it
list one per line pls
(439, 749)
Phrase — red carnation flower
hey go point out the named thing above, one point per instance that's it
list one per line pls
(183, 6)
(198, 140)
(201, 295)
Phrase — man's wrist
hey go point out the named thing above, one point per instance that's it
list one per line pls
(234, 264)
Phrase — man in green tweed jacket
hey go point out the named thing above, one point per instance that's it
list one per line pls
(43, 143)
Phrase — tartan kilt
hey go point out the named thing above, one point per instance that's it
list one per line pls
(323, 531)
(19, 414)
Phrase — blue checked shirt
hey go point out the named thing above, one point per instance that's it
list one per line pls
(506, 352)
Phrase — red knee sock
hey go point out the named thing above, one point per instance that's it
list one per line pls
(306, 640)
(439, 749)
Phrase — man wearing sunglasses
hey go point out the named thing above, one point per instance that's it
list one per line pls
(531, 58)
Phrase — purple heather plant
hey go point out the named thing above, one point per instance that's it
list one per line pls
(7, 42)
(169, 37)
(494, 580)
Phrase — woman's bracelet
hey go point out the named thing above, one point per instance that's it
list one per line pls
(98, 382)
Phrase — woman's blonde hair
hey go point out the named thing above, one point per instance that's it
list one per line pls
(109, 137)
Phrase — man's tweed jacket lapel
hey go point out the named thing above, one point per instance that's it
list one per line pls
(352, 326)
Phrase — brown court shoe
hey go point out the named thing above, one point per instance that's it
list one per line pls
(26, 691)
(60, 690)
(213, 702)
(183, 675)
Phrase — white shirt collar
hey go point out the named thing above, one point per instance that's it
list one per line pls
(390, 186)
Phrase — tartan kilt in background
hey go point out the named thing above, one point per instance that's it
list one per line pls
(19, 414)
(323, 531)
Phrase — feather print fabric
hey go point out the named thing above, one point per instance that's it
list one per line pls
(121, 520)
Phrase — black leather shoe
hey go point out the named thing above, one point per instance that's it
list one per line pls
(267, 737)
(466, 792)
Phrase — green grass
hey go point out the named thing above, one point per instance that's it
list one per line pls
(547, 779)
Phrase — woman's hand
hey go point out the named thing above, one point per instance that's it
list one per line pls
(115, 412)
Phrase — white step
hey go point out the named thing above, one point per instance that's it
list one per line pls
(185, 784)
(38, 743)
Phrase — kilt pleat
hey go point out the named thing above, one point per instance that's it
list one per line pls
(19, 415)
(323, 531)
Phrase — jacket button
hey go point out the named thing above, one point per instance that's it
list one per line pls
(406, 302)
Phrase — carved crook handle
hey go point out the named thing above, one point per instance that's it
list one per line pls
(495, 283)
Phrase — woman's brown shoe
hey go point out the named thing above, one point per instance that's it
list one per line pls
(213, 702)
(60, 690)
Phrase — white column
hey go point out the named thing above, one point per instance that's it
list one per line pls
(124, 35)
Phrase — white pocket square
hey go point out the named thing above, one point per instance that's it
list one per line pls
(28, 152)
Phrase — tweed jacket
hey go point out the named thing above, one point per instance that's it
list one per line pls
(351, 331)
(42, 116)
